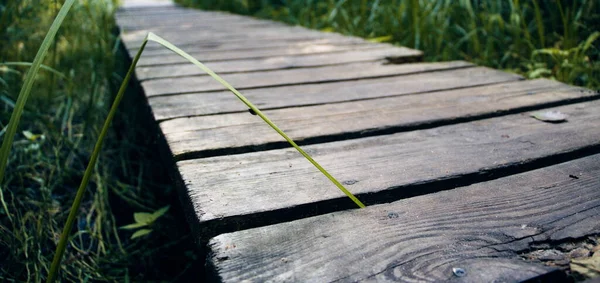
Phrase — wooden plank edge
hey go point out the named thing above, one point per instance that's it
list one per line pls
(484, 245)
(387, 130)
(424, 68)
(399, 56)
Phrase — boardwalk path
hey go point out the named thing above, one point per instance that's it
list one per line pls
(454, 170)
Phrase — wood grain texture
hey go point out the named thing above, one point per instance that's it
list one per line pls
(282, 62)
(481, 228)
(197, 135)
(240, 29)
(195, 104)
(234, 187)
(193, 37)
(295, 76)
(230, 52)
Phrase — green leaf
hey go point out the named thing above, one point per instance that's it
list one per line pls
(30, 136)
(62, 244)
(143, 217)
(381, 38)
(141, 232)
(134, 226)
(26, 90)
(160, 212)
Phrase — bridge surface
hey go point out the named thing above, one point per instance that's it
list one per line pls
(461, 182)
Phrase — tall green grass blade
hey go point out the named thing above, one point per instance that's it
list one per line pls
(62, 244)
(43, 67)
(156, 38)
(26, 90)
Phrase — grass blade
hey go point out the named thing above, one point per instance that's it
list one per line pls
(26, 90)
(62, 244)
(158, 39)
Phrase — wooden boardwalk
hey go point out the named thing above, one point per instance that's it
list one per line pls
(459, 179)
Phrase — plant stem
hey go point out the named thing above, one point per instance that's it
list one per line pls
(60, 249)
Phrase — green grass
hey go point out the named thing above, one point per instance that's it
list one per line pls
(75, 87)
(534, 38)
(60, 124)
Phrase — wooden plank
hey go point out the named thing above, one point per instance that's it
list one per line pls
(191, 36)
(236, 51)
(197, 17)
(236, 191)
(223, 42)
(199, 136)
(191, 27)
(295, 76)
(283, 62)
(195, 104)
(481, 228)
(217, 40)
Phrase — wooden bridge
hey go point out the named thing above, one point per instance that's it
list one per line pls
(461, 182)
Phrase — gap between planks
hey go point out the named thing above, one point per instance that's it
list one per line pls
(236, 133)
(373, 54)
(255, 189)
(325, 74)
(481, 228)
(200, 104)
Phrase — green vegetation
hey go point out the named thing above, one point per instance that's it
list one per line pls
(60, 124)
(124, 229)
(556, 39)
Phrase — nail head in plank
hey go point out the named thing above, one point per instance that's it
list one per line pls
(481, 229)
(255, 184)
(296, 76)
(198, 135)
(195, 104)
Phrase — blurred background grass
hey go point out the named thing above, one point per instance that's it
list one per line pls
(538, 38)
(71, 97)
(60, 125)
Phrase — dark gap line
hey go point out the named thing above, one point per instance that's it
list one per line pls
(279, 44)
(361, 47)
(216, 227)
(238, 40)
(343, 101)
(376, 132)
(317, 82)
(404, 60)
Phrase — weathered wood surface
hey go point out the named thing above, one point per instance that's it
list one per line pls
(382, 53)
(192, 37)
(268, 183)
(217, 51)
(387, 131)
(196, 104)
(324, 74)
(233, 132)
(481, 228)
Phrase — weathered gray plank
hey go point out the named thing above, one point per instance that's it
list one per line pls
(184, 105)
(236, 51)
(481, 228)
(283, 62)
(242, 29)
(224, 42)
(194, 136)
(242, 34)
(191, 27)
(228, 189)
(195, 17)
(296, 76)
